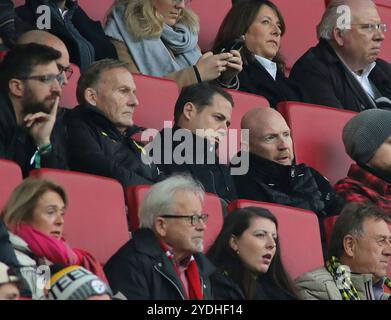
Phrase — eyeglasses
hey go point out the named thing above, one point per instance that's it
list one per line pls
(67, 70)
(195, 219)
(176, 2)
(370, 27)
(47, 78)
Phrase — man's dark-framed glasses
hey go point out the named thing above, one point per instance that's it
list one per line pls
(47, 78)
(194, 219)
(67, 70)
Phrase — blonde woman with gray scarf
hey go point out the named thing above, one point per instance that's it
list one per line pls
(159, 38)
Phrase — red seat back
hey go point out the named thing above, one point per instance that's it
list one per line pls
(95, 219)
(96, 10)
(328, 224)
(157, 97)
(384, 9)
(18, 3)
(10, 177)
(211, 14)
(244, 102)
(317, 137)
(68, 98)
(301, 18)
(212, 206)
(299, 234)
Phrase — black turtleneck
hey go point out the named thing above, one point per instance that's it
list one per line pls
(294, 185)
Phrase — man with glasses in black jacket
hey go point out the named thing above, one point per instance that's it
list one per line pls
(30, 90)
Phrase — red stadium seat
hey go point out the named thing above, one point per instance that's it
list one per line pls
(96, 217)
(96, 10)
(18, 3)
(328, 226)
(243, 102)
(68, 98)
(317, 137)
(157, 97)
(385, 14)
(211, 14)
(301, 18)
(299, 234)
(212, 206)
(10, 177)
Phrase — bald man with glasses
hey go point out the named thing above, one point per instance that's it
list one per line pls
(30, 90)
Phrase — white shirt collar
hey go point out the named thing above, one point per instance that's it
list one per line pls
(363, 79)
(270, 66)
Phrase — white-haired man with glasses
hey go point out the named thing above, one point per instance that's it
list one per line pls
(343, 70)
(164, 260)
(30, 89)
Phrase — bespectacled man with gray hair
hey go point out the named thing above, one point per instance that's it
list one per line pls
(344, 70)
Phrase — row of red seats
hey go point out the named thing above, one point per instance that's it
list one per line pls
(97, 221)
(96, 217)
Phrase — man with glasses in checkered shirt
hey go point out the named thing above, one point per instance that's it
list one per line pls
(344, 70)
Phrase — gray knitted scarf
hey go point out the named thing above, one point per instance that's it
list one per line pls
(154, 56)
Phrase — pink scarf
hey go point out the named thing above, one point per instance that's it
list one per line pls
(58, 251)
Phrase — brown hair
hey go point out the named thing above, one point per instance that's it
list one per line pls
(236, 23)
(350, 222)
(24, 199)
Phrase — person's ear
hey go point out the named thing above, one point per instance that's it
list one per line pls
(349, 245)
(189, 110)
(90, 96)
(16, 87)
(160, 226)
(338, 35)
(233, 243)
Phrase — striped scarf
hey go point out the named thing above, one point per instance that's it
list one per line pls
(342, 276)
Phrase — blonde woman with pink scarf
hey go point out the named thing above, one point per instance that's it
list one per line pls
(34, 216)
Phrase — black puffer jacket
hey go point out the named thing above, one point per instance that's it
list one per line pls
(215, 177)
(83, 37)
(96, 146)
(17, 145)
(297, 186)
(140, 270)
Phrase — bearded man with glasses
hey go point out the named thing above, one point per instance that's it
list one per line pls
(30, 90)
(164, 260)
(344, 70)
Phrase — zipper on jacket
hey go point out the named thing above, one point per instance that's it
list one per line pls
(179, 290)
(292, 171)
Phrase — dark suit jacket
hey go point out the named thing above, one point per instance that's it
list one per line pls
(328, 82)
(255, 79)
